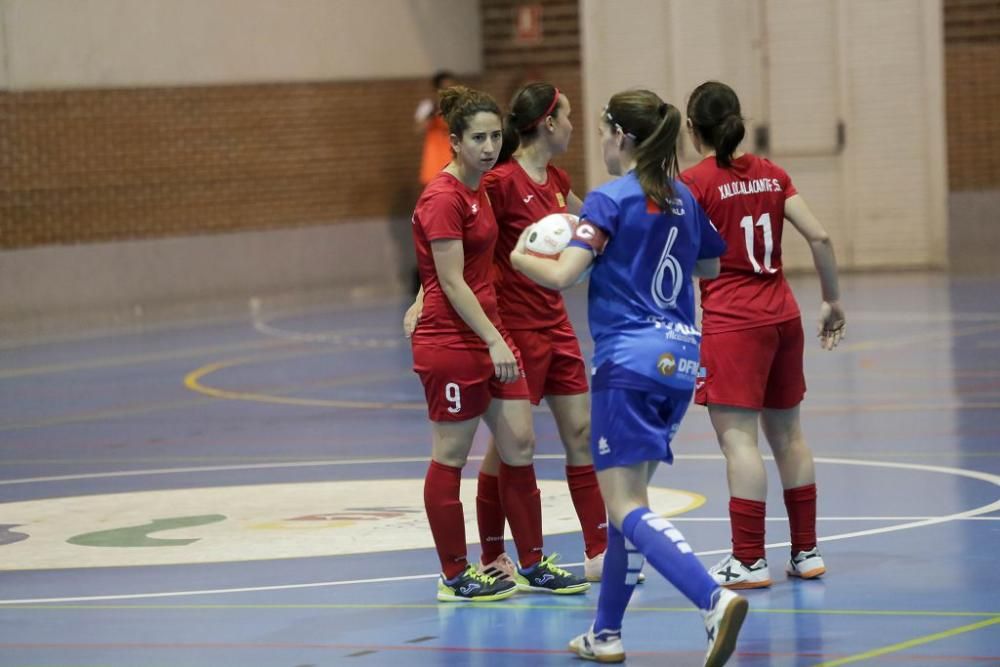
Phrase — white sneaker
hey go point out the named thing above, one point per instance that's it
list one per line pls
(806, 564)
(594, 567)
(731, 573)
(722, 623)
(503, 568)
(605, 646)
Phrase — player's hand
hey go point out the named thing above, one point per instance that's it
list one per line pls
(412, 317)
(832, 324)
(504, 362)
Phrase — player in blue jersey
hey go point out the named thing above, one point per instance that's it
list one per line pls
(645, 237)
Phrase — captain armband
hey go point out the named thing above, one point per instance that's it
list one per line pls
(590, 236)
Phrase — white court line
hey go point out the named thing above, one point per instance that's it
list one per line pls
(919, 523)
(246, 466)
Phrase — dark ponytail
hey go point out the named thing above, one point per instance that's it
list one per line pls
(714, 111)
(654, 126)
(529, 108)
(511, 139)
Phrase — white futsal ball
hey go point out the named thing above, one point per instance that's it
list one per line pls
(550, 235)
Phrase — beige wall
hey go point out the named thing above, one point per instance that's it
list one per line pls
(3, 44)
(108, 279)
(123, 43)
(799, 66)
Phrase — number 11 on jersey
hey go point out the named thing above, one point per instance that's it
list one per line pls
(764, 222)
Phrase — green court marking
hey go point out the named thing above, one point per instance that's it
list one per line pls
(902, 646)
(138, 536)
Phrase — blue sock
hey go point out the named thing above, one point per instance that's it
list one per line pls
(665, 549)
(622, 564)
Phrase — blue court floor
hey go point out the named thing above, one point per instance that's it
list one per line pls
(246, 490)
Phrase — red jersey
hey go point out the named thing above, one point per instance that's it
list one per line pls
(746, 203)
(447, 209)
(519, 201)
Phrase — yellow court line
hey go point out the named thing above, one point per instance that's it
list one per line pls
(297, 348)
(112, 413)
(129, 360)
(193, 382)
(902, 646)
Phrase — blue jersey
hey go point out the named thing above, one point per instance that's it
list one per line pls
(641, 300)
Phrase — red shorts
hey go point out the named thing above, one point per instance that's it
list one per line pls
(459, 382)
(552, 361)
(754, 368)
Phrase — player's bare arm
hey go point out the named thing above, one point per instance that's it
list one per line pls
(412, 316)
(573, 203)
(707, 268)
(449, 262)
(832, 320)
(557, 274)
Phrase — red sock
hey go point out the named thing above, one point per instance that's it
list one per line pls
(589, 504)
(444, 514)
(522, 503)
(801, 505)
(747, 519)
(490, 517)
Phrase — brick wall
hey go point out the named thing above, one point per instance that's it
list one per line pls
(83, 166)
(972, 80)
(102, 165)
(556, 59)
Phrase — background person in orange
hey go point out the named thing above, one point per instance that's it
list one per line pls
(436, 153)
(429, 122)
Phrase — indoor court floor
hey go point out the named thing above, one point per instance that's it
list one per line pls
(246, 490)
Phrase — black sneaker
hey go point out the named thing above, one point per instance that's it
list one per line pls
(472, 586)
(547, 577)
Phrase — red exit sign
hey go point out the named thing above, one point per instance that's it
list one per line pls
(528, 24)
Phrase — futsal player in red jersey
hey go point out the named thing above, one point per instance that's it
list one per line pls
(463, 355)
(523, 188)
(753, 342)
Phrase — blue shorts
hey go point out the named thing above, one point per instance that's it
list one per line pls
(630, 426)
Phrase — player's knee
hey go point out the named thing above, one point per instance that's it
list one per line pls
(578, 443)
(519, 447)
(454, 457)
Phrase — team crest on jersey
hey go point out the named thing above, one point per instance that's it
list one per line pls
(475, 208)
(667, 365)
(560, 200)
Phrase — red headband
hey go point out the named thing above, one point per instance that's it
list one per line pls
(548, 112)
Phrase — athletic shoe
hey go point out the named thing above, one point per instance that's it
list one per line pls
(806, 564)
(733, 574)
(722, 623)
(503, 568)
(594, 567)
(604, 646)
(547, 577)
(471, 586)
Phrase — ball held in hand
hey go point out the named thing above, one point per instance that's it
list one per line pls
(550, 235)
